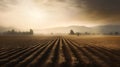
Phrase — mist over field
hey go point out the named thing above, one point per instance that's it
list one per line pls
(44, 14)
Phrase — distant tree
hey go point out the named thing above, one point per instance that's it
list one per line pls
(31, 31)
(72, 32)
(116, 33)
(13, 30)
(86, 33)
(77, 33)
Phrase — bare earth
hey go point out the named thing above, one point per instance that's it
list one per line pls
(59, 51)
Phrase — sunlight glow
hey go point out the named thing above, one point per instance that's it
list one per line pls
(36, 14)
(41, 14)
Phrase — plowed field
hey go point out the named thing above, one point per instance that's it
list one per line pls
(59, 51)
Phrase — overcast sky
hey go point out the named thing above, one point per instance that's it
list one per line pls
(38, 14)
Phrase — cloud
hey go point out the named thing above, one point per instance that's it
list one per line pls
(7, 4)
(31, 13)
(108, 10)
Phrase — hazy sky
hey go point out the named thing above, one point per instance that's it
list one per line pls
(38, 14)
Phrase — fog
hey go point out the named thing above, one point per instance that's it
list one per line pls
(41, 14)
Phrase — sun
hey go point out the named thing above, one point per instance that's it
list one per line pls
(36, 14)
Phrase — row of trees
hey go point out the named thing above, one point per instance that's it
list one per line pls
(13, 32)
(87, 33)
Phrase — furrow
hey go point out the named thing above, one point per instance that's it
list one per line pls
(82, 59)
(40, 58)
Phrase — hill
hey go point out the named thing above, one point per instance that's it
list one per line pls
(82, 29)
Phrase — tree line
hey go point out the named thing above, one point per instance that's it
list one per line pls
(88, 33)
(14, 32)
